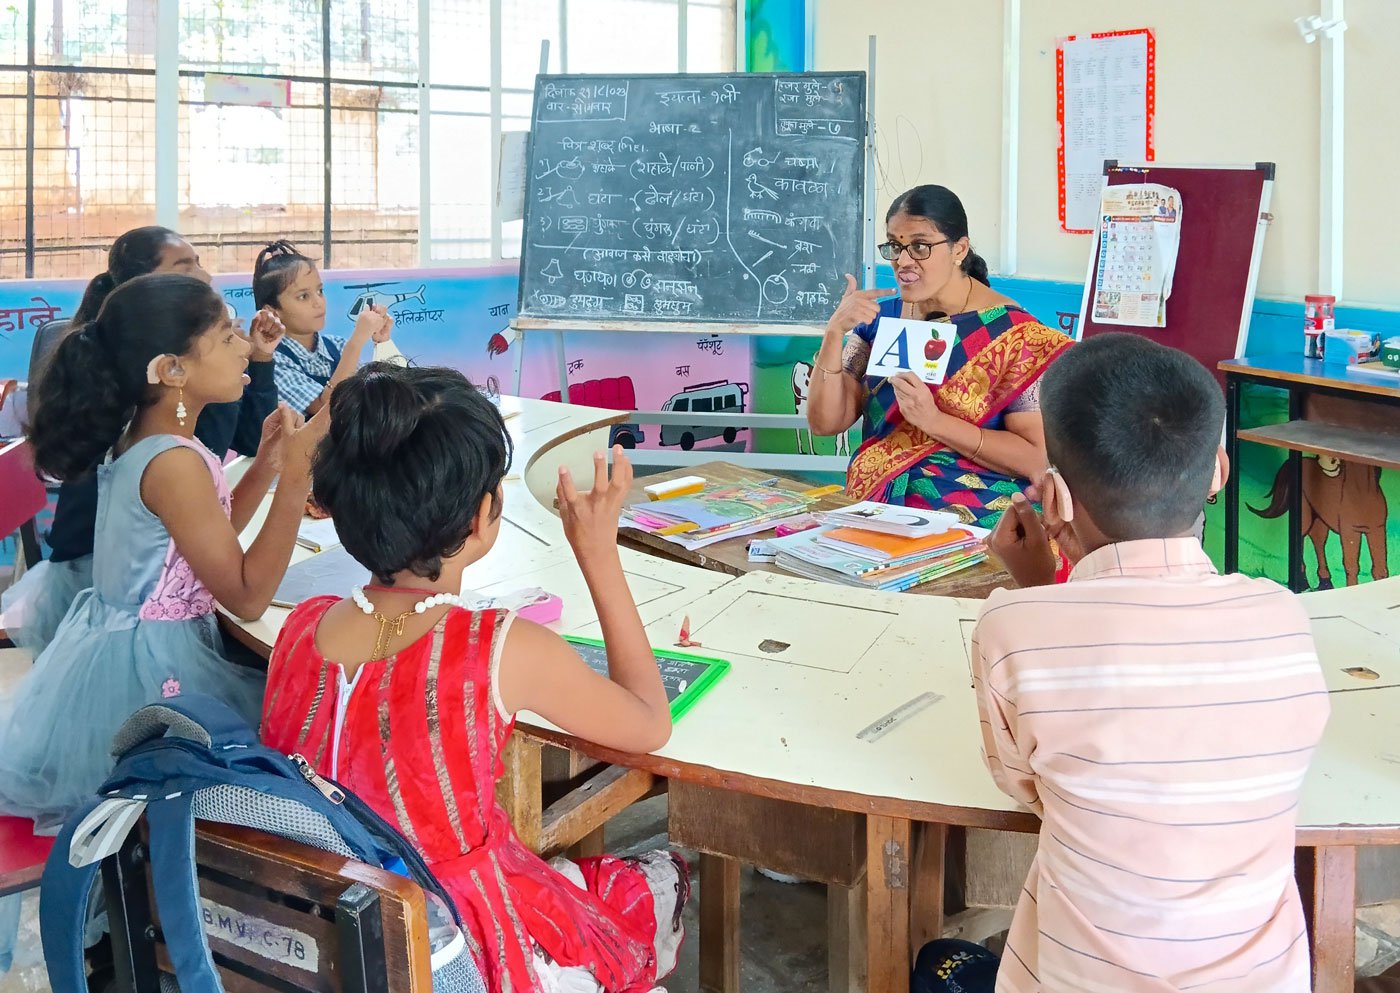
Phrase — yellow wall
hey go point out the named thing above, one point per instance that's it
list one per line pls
(1235, 84)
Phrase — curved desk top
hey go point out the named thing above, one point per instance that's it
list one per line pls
(813, 664)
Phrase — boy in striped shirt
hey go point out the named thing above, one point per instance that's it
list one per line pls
(1159, 717)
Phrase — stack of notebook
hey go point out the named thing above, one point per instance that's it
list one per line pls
(716, 514)
(874, 559)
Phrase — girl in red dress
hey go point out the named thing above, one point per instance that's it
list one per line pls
(406, 697)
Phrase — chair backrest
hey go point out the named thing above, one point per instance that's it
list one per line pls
(22, 494)
(279, 916)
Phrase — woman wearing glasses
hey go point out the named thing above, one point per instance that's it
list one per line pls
(964, 446)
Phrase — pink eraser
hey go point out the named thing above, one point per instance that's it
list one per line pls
(533, 604)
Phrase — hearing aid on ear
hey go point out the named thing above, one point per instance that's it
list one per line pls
(1062, 497)
(153, 368)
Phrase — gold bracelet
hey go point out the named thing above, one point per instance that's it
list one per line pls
(824, 371)
(981, 440)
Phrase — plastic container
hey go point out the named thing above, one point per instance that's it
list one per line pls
(1319, 317)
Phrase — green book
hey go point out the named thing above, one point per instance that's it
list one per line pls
(686, 677)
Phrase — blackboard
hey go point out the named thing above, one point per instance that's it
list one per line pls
(721, 199)
(686, 677)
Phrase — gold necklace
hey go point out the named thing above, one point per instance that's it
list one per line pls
(386, 625)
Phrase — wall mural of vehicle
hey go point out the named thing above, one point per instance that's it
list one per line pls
(616, 393)
(722, 397)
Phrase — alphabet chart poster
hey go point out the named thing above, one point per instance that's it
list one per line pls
(1105, 96)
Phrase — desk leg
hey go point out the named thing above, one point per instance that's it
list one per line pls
(520, 790)
(1232, 484)
(1297, 579)
(887, 867)
(927, 891)
(719, 924)
(1327, 881)
(845, 930)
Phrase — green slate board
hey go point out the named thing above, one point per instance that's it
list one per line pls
(686, 677)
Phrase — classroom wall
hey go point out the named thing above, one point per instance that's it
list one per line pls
(1235, 83)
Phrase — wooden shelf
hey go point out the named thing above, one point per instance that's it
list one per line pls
(1318, 438)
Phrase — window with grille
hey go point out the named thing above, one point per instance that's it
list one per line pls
(359, 153)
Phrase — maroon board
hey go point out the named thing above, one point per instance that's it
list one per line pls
(1221, 231)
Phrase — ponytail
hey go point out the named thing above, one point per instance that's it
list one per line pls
(95, 382)
(135, 253)
(93, 297)
(976, 267)
(81, 407)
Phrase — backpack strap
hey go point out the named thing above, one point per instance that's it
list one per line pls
(176, 888)
(63, 909)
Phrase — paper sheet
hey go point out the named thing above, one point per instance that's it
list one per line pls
(1139, 231)
(1105, 102)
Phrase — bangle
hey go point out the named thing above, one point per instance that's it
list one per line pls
(981, 440)
(823, 370)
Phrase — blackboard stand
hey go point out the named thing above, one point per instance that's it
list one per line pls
(557, 330)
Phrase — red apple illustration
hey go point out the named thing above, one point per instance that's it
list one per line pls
(933, 351)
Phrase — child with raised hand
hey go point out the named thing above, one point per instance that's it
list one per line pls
(35, 606)
(311, 363)
(1159, 717)
(121, 396)
(406, 695)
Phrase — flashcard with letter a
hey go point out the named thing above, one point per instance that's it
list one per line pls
(921, 347)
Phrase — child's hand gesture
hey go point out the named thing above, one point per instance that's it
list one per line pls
(301, 442)
(277, 428)
(382, 334)
(1022, 543)
(266, 333)
(590, 519)
(372, 322)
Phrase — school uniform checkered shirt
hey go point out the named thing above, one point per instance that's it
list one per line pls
(302, 375)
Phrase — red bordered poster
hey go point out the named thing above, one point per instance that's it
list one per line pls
(1111, 77)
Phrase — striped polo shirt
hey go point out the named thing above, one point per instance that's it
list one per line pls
(1159, 718)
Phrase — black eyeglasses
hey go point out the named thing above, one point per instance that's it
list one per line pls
(918, 251)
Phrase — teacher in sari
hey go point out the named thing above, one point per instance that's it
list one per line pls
(964, 446)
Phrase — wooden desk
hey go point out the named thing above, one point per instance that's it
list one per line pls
(731, 556)
(815, 663)
(1329, 413)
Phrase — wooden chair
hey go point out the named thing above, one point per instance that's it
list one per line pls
(279, 916)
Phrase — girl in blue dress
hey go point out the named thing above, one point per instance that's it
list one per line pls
(121, 398)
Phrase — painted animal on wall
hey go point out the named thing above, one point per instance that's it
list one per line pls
(1340, 498)
(801, 388)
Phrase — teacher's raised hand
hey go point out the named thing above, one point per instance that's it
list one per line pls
(857, 306)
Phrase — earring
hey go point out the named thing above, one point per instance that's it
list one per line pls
(180, 412)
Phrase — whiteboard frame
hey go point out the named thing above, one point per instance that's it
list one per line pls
(1261, 227)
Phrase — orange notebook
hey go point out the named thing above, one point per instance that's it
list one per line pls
(888, 546)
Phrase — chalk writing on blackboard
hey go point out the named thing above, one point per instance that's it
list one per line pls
(718, 199)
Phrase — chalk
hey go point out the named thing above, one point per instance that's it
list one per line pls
(883, 726)
(684, 486)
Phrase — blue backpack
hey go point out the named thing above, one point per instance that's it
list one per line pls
(191, 757)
